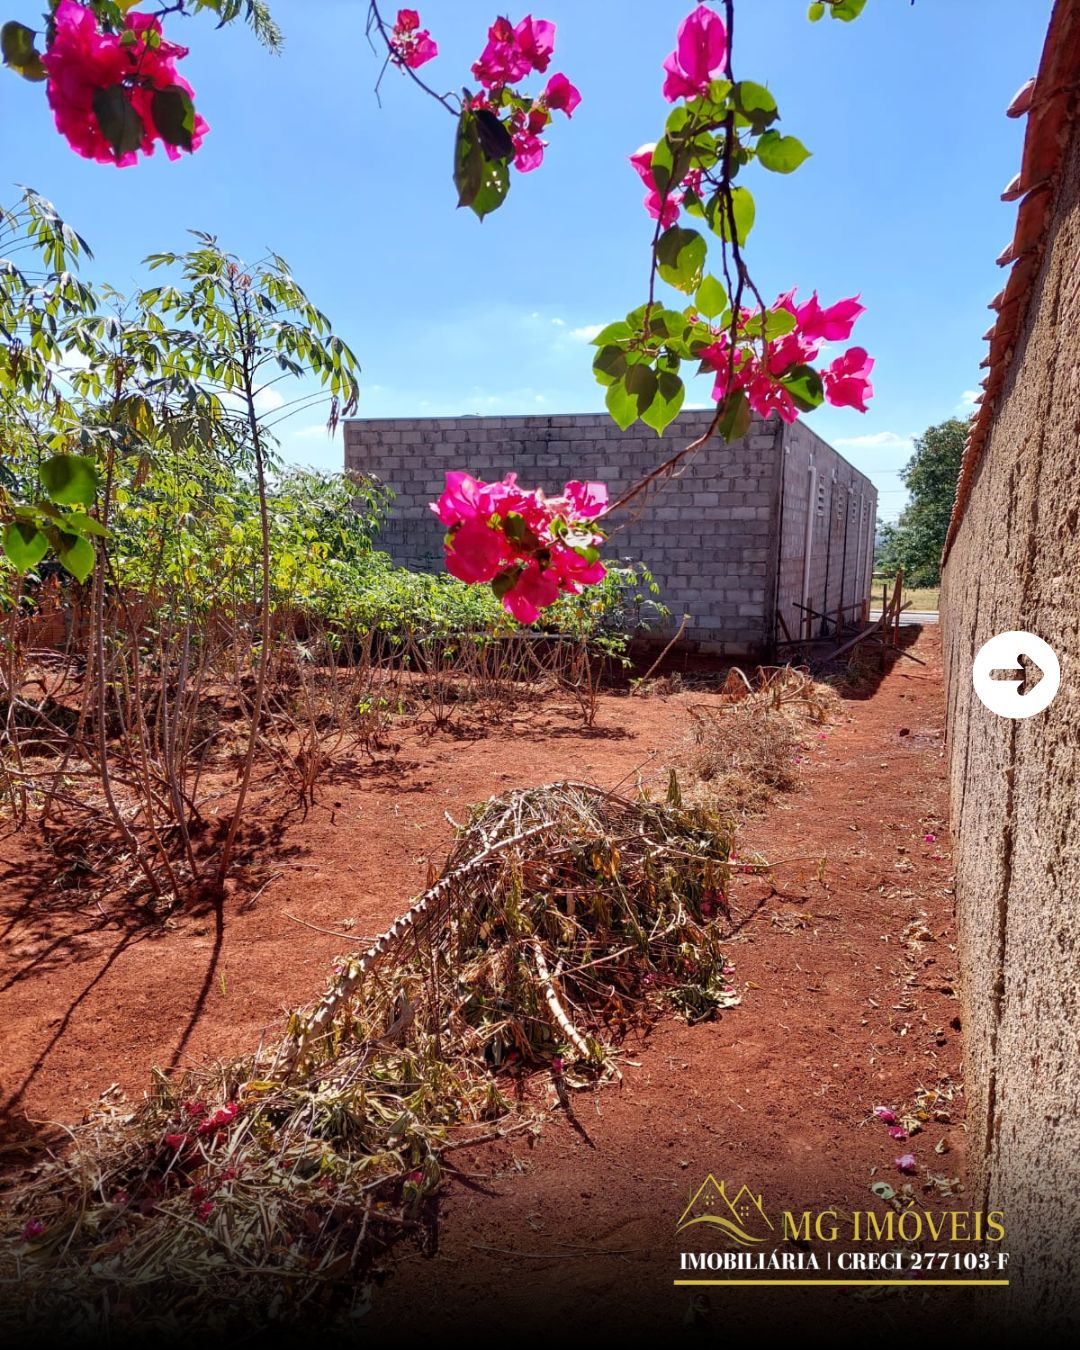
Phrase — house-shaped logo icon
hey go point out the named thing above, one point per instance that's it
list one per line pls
(741, 1217)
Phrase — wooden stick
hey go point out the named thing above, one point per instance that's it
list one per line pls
(358, 967)
(659, 659)
(558, 1012)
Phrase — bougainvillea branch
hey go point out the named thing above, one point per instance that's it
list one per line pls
(111, 76)
(498, 126)
(761, 358)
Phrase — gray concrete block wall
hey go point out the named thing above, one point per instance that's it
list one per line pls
(842, 503)
(711, 535)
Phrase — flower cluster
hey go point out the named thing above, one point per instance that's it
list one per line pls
(530, 547)
(701, 48)
(203, 1122)
(411, 45)
(116, 94)
(764, 371)
(512, 53)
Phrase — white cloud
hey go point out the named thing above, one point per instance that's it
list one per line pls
(314, 432)
(586, 332)
(878, 440)
(268, 400)
(559, 323)
(967, 400)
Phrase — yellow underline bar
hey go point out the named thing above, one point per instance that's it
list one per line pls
(998, 1283)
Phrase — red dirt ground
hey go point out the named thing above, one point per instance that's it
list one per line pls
(845, 959)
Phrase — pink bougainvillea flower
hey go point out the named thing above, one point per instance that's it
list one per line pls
(534, 547)
(32, 1229)
(587, 499)
(885, 1114)
(80, 62)
(203, 1211)
(534, 590)
(466, 498)
(653, 202)
(222, 1117)
(833, 324)
(897, 1132)
(847, 380)
(512, 53)
(558, 1064)
(573, 571)
(929, 838)
(176, 1141)
(699, 55)
(535, 40)
(524, 132)
(477, 552)
(905, 1162)
(410, 44)
(560, 95)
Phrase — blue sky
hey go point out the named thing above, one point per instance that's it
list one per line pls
(903, 110)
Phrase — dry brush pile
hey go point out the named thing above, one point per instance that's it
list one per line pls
(744, 746)
(264, 1190)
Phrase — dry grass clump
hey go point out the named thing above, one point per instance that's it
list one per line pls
(743, 748)
(261, 1193)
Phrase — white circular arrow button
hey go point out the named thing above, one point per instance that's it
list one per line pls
(1003, 655)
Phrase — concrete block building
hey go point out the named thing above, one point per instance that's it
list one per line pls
(739, 540)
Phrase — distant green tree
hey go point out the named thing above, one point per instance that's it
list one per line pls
(915, 542)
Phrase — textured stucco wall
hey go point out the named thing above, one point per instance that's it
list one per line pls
(1014, 784)
(711, 536)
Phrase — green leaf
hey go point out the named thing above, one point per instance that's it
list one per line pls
(734, 416)
(482, 179)
(742, 208)
(667, 323)
(120, 124)
(609, 364)
(504, 582)
(773, 324)
(781, 154)
(663, 160)
(20, 53)
(670, 164)
(641, 384)
(494, 139)
(77, 555)
(679, 119)
(619, 331)
(621, 404)
(756, 104)
(482, 183)
(664, 408)
(816, 11)
(71, 480)
(24, 545)
(78, 523)
(711, 298)
(846, 10)
(804, 385)
(680, 257)
(174, 115)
